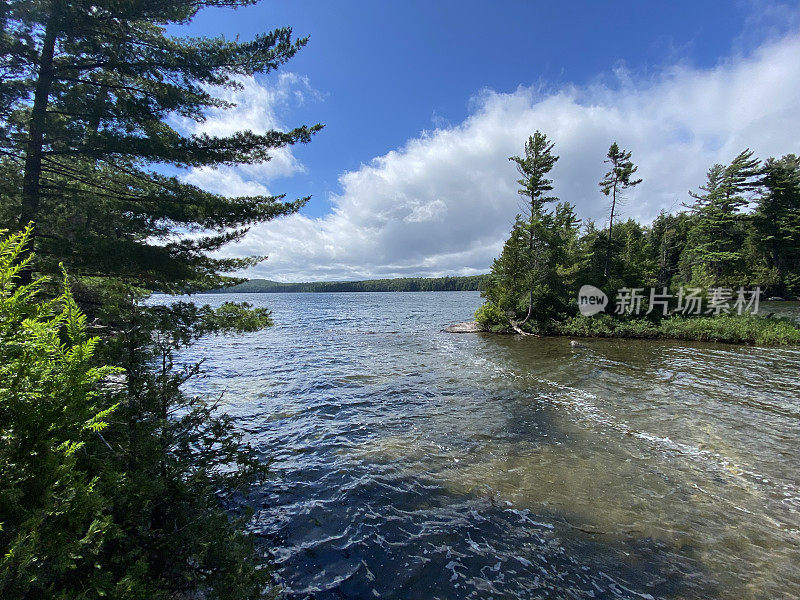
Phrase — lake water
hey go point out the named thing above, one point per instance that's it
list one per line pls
(411, 463)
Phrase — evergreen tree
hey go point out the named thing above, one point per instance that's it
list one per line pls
(538, 267)
(666, 242)
(777, 221)
(717, 243)
(91, 95)
(566, 248)
(702, 249)
(507, 288)
(590, 253)
(636, 265)
(741, 176)
(534, 168)
(614, 183)
(90, 98)
(714, 253)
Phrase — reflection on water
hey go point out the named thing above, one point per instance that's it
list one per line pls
(411, 463)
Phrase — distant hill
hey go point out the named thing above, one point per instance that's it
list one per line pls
(404, 284)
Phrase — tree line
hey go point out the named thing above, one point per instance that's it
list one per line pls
(741, 228)
(400, 284)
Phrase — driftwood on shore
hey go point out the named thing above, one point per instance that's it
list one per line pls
(516, 327)
(473, 327)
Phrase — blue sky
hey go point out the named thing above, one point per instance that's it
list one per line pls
(394, 80)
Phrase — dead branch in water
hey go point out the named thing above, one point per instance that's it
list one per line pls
(516, 327)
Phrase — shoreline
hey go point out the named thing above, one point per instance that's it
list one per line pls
(737, 330)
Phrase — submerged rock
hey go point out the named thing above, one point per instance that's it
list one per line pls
(468, 327)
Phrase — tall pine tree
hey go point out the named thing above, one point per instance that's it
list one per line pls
(91, 92)
(614, 183)
(714, 251)
(89, 152)
(534, 168)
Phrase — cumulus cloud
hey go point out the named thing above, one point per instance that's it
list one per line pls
(445, 201)
(257, 106)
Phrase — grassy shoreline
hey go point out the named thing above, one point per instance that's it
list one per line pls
(732, 329)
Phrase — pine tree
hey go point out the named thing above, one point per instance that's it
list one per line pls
(741, 176)
(91, 92)
(530, 279)
(534, 168)
(566, 248)
(777, 221)
(508, 281)
(90, 95)
(714, 251)
(666, 241)
(614, 183)
(703, 251)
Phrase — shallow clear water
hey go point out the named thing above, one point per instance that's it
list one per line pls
(411, 463)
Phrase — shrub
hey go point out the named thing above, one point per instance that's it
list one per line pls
(55, 520)
(115, 490)
(745, 329)
(491, 317)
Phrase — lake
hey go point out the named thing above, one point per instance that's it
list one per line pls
(411, 463)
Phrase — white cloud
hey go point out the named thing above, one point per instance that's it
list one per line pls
(257, 105)
(443, 203)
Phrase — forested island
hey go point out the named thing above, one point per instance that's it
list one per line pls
(739, 235)
(401, 284)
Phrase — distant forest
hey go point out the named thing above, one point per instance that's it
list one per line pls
(403, 284)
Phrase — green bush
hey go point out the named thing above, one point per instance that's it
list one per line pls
(733, 328)
(491, 317)
(55, 519)
(113, 488)
(745, 329)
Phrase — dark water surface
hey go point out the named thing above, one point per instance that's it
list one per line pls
(410, 463)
